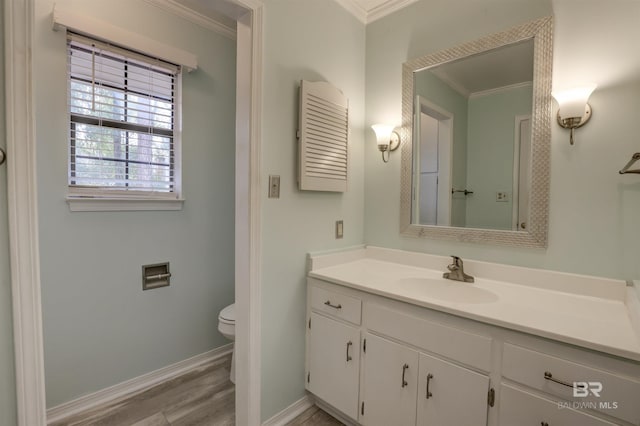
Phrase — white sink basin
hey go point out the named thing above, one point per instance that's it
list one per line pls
(448, 290)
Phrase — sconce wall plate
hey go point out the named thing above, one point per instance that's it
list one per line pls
(574, 109)
(575, 122)
(394, 142)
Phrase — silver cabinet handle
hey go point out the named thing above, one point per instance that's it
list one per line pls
(404, 369)
(329, 304)
(549, 376)
(349, 344)
(3, 156)
(429, 377)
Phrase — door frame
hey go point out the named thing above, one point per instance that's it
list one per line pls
(23, 212)
(423, 105)
(515, 191)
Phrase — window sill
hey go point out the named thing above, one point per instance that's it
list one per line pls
(91, 204)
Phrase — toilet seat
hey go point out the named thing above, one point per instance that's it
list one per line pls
(228, 315)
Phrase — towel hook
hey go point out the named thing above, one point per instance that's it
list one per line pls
(626, 170)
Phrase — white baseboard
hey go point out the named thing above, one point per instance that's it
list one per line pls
(291, 412)
(135, 385)
(335, 413)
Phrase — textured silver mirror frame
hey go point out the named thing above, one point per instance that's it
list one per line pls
(541, 30)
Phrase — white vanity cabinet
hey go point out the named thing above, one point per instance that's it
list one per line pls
(389, 383)
(412, 370)
(402, 386)
(382, 362)
(540, 386)
(450, 394)
(520, 407)
(519, 347)
(333, 350)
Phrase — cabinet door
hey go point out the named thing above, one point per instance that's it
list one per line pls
(334, 363)
(450, 395)
(518, 407)
(389, 383)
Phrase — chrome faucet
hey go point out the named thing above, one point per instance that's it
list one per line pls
(457, 271)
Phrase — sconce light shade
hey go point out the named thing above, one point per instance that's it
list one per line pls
(388, 139)
(574, 110)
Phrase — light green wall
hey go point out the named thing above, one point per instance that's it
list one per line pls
(435, 90)
(593, 210)
(7, 372)
(317, 41)
(490, 150)
(100, 328)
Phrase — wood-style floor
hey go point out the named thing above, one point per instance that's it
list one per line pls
(201, 397)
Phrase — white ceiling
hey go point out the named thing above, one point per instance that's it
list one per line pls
(499, 68)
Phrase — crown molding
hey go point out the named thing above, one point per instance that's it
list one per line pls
(190, 15)
(500, 89)
(387, 8)
(354, 8)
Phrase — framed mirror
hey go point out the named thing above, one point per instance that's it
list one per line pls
(476, 139)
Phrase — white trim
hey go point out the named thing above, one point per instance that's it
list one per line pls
(291, 412)
(387, 8)
(247, 227)
(96, 204)
(191, 15)
(334, 413)
(354, 8)
(23, 211)
(366, 16)
(64, 18)
(495, 90)
(136, 385)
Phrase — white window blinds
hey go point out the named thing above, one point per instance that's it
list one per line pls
(123, 116)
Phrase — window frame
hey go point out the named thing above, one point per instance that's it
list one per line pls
(101, 198)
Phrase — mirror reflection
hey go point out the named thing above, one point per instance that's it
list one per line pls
(472, 140)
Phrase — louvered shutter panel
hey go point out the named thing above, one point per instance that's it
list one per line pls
(324, 134)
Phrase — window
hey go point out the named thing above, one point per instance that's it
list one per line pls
(123, 121)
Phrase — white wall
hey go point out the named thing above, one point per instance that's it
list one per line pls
(594, 211)
(100, 328)
(7, 372)
(311, 40)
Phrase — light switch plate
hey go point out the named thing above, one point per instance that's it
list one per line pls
(339, 229)
(274, 186)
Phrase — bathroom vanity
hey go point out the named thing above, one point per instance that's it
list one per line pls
(390, 342)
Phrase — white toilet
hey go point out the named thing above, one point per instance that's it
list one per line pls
(227, 327)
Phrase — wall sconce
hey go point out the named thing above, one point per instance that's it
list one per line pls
(574, 110)
(388, 139)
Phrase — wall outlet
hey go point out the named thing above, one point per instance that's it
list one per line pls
(339, 229)
(502, 197)
(274, 186)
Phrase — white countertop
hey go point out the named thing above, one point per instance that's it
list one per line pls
(595, 313)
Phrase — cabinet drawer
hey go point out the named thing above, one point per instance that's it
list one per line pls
(468, 348)
(336, 304)
(518, 407)
(619, 396)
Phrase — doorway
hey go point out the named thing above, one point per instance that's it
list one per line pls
(434, 139)
(22, 211)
